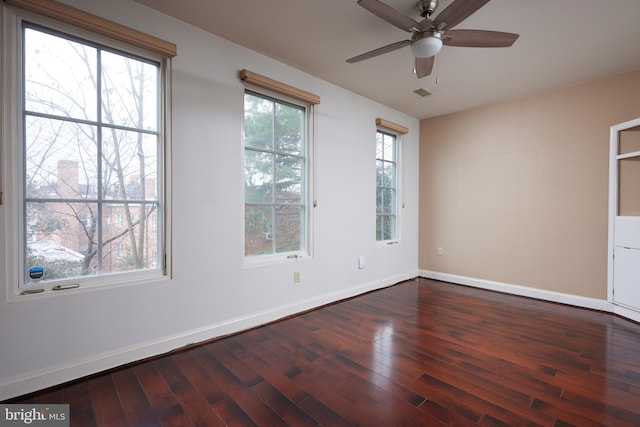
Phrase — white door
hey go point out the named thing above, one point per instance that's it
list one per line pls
(626, 262)
(624, 208)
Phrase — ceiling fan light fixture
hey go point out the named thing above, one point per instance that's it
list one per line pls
(427, 44)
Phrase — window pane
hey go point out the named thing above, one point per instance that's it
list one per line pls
(129, 170)
(289, 129)
(388, 227)
(385, 201)
(385, 227)
(288, 179)
(258, 177)
(379, 173)
(130, 243)
(60, 76)
(388, 200)
(288, 226)
(389, 175)
(60, 237)
(389, 148)
(258, 226)
(129, 92)
(258, 122)
(60, 159)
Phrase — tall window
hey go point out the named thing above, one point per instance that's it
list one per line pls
(275, 176)
(386, 186)
(90, 183)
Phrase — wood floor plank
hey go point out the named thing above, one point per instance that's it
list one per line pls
(446, 415)
(419, 353)
(245, 348)
(77, 396)
(280, 393)
(240, 393)
(52, 395)
(136, 406)
(195, 405)
(162, 399)
(105, 401)
(321, 412)
(400, 406)
(211, 390)
(289, 411)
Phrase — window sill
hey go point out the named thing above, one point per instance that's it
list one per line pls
(51, 291)
(386, 243)
(265, 260)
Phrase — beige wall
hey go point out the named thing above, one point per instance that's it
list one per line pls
(517, 192)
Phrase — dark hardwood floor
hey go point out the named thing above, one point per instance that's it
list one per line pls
(418, 353)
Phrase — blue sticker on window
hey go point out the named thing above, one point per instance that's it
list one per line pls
(36, 273)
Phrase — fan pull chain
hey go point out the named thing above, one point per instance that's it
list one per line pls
(437, 69)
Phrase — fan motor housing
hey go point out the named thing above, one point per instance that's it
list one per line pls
(425, 8)
(426, 34)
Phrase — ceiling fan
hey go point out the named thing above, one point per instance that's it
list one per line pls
(429, 35)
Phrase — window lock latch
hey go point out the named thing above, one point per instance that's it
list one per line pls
(65, 287)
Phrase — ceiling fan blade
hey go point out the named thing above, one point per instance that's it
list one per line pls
(457, 12)
(390, 15)
(379, 51)
(478, 38)
(424, 66)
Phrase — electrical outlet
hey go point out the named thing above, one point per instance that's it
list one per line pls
(296, 277)
(440, 251)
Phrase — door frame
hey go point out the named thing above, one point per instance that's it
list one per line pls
(614, 139)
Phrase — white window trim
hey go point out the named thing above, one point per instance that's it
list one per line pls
(309, 194)
(384, 127)
(10, 147)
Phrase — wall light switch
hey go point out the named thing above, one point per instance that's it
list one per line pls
(440, 251)
(361, 262)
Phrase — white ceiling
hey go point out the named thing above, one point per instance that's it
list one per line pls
(562, 42)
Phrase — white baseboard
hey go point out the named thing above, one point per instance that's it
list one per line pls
(525, 291)
(33, 381)
(627, 313)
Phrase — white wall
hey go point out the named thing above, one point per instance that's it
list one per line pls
(49, 340)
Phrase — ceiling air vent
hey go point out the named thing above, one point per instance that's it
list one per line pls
(422, 92)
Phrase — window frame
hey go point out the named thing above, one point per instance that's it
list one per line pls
(12, 146)
(308, 201)
(384, 130)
